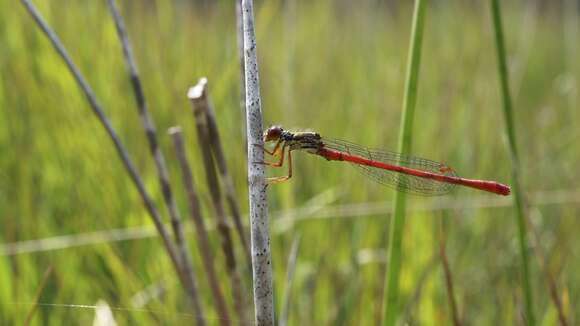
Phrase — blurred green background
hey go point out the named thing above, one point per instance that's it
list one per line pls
(337, 67)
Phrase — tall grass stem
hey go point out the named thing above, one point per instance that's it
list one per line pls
(391, 298)
(516, 186)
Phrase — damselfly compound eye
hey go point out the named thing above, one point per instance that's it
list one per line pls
(273, 133)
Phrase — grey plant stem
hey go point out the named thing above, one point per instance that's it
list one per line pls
(163, 175)
(516, 186)
(391, 298)
(259, 226)
(121, 151)
(220, 159)
(198, 100)
(202, 236)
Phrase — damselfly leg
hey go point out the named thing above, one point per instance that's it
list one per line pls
(274, 151)
(286, 177)
(278, 152)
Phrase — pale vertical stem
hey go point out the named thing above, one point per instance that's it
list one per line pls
(516, 185)
(259, 229)
(202, 236)
(159, 159)
(391, 299)
(196, 96)
(119, 147)
(218, 152)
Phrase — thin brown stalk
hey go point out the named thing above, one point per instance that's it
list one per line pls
(216, 199)
(543, 262)
(39, 291)
(119, 147)
(202, 236)
(447, 271)
(218, 152)
(161, 167)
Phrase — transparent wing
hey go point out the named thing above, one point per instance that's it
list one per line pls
(400, 181)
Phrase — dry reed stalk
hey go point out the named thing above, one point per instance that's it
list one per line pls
(197, 100)
(202, 236)
(543, 262)
(220, 159)
(158, 158)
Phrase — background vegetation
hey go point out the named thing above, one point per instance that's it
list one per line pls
(331, 66)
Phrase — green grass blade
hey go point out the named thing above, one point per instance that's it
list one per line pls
(510, 130)
(391, 298)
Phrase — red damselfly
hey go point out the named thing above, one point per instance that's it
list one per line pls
(402, 172)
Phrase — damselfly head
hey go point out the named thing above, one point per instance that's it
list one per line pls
(273, 133)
